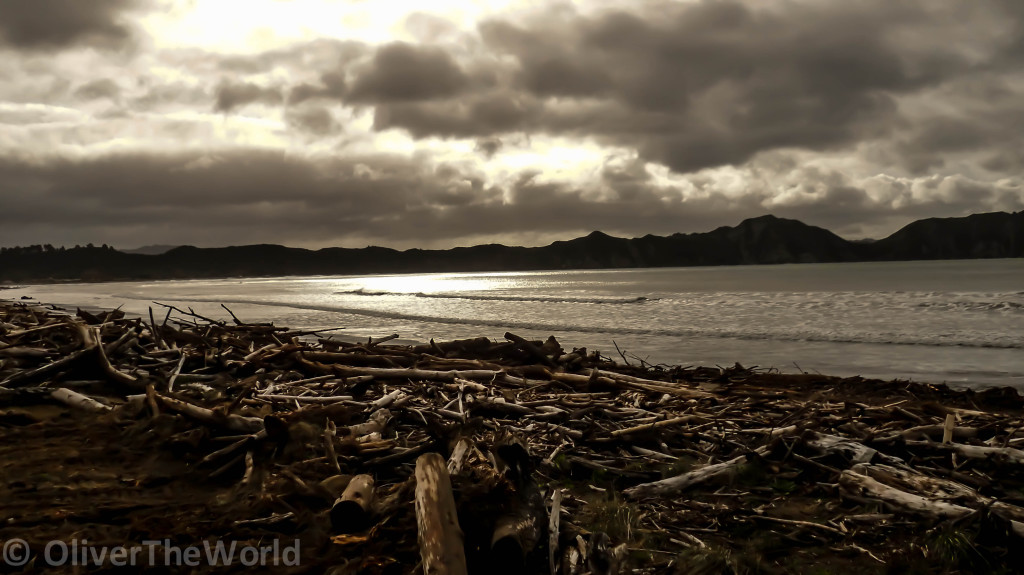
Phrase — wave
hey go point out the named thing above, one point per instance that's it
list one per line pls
(623, 330)
(538, 299)
(974, 305)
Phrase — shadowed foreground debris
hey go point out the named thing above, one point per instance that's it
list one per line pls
(487, 457)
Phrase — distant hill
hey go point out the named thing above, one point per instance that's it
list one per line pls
(762, 240)
(992, 235)
(153, 250)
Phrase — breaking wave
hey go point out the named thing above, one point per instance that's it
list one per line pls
(535, 299)
(974, 306)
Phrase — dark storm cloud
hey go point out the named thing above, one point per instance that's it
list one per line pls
(715, 82)
(404, 72)
(252, 196)
(980, 113)
(486, 114)
(315, 120)
(55, 24)
(488, 146)
(231, 95)
(332, 86)
(928, 95)
(689, 85)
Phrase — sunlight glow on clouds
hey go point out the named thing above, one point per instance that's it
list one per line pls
(434, 124)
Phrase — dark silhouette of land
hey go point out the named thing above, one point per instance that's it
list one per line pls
(762, 240)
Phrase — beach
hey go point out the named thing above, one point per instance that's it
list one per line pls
(954, 322)
(315, 454)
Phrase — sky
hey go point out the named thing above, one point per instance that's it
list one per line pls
(315, 123)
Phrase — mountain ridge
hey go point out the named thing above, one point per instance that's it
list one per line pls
(765, 239)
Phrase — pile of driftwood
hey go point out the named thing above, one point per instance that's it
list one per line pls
(516, 456)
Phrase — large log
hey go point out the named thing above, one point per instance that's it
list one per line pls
(673, 485)
(858, 484)
(1007, 454)
(938, 488)
(855, 452)
(439, 535)
(351, 512)
(77, 400)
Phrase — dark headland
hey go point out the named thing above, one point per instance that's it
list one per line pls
(763, 240)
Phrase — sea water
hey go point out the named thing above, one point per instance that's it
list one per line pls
(958, 322)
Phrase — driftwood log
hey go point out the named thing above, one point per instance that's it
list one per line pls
(677, 484)
(439, 535)
(351, 512)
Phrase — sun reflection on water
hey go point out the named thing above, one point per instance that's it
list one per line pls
(430, 283)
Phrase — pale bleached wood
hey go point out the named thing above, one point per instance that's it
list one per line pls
(307, 398)
(673, 485)
(77, 400)
(388, 399)
(458, 456)
(855, 451)
(429, 374)
(376, 423)
(862, 485)
(554, 523)
(654, 384)
(947, 429)
(642, 385)
(227, 421)
(330, 432)
(937, 488)
(439, 535)
(859, 484)
(657, 425)
(1008, 454)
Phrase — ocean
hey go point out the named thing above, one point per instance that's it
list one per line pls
(954, 322)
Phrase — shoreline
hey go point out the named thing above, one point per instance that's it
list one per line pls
(654, 468)
(959, 366)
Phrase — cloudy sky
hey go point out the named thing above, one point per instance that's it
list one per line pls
(400, 123)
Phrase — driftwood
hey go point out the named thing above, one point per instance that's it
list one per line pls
(351, 512)
(75, 399)
(676, 484)
(1008, 454)
(440, 538)
(554, 525)
(862, 485)
(209, 416)
(319, 437)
